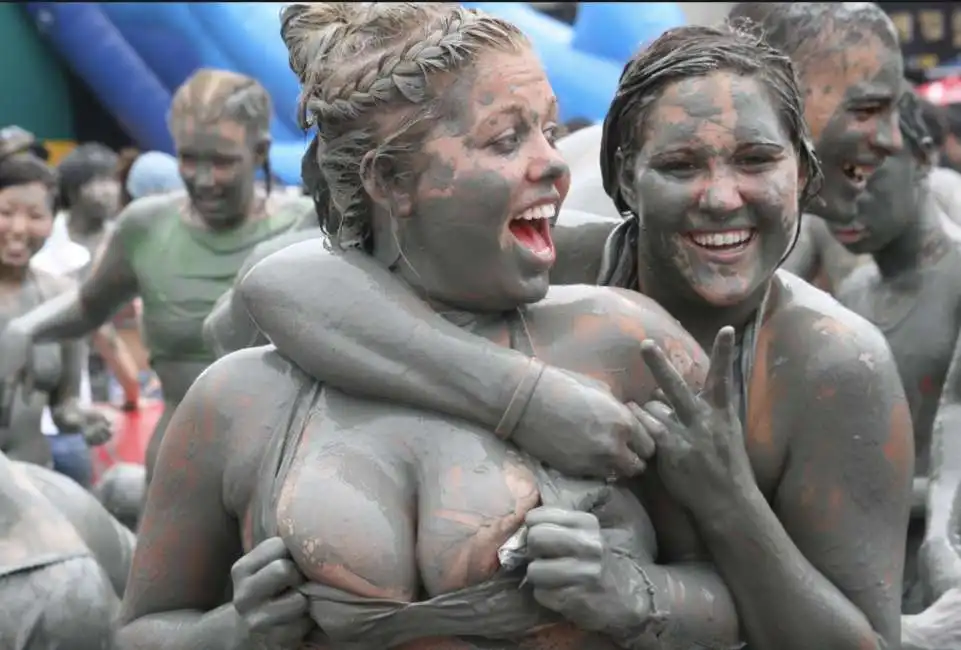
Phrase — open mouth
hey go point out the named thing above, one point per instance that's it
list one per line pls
(532, 230)
(722, 245)
(858, 175)
(849, 234)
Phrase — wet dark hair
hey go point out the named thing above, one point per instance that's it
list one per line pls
(82, 165)
(21, 162)
(696, 51)
(935, 120)
(952, 119)
(914, 127)
(803, 30)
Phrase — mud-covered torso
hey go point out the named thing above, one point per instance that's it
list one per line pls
(182, 270)
(920, 316)
(415, 506)
(23, 437)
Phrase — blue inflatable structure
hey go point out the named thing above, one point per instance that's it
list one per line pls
(133, 56)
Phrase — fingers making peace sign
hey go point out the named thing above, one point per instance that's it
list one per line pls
(698, 436)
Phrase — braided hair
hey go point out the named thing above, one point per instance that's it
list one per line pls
(357, 64)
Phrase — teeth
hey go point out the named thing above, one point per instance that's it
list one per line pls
(722, 239)
(538, 212)
(855, 173)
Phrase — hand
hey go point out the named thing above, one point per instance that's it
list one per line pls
(575, 424)
(96, 427)
(939, 563)
(574, 574)
(699, 438)
(265, 596)
(936, 628)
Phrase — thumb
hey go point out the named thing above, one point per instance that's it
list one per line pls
(592, 499)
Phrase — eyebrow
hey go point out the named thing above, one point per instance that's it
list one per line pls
(519, 110)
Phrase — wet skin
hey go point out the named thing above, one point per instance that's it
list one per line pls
(913, 294)
(832, 464)
(819, 258)
(851, 88)
(430, 498)
(26, 220)
(59, 547)
(218, 167)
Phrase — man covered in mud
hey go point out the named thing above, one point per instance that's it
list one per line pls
(178, 252)
(912, 293)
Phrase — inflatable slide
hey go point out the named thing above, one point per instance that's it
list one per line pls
(133, 55)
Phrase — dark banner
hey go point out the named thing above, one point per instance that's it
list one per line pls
(930, 32)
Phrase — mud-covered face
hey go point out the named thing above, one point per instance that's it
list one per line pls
(716, 185)
(99, 198)
(851, 108)
(489, 187)
(887, 206)
(26, 220)
(218, 164)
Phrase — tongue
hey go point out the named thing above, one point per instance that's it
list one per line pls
(528, 233)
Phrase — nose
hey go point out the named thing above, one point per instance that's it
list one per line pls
(722, 196)
(547, 165)
(887, 137)
(18, 226)
(204, 176)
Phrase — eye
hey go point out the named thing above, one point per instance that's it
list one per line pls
(552, 133)
(679, 168)
(506, 143)
(865, 112)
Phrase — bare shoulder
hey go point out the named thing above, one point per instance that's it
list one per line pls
(859, 280)
(138, 216)
(824, 334)
(621, 319)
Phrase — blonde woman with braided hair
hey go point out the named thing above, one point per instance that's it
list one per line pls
(178, 252)
(336, 521)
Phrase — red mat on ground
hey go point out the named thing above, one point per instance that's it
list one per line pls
(131, 434)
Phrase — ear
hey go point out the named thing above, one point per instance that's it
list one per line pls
(624, 171)
(380, 181)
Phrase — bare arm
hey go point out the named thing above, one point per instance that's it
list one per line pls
(115, 354)
(821, 566)
(364, 331)
(943, 526)
(111, 284)
(187, 540)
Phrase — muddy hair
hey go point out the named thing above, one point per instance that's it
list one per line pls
(210, 95)
(696, 51)
(371, 77)
(807, 30)
(83, 164)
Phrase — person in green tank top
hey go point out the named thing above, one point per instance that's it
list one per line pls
(177, 252)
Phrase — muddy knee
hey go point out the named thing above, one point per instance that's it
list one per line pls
(70, 604)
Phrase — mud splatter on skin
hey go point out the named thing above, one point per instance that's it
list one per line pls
(715, 156)
(218, 162)
(484, 164)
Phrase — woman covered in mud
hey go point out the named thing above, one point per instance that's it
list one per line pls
(27, 195)
(706, 135)
(434, 155)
